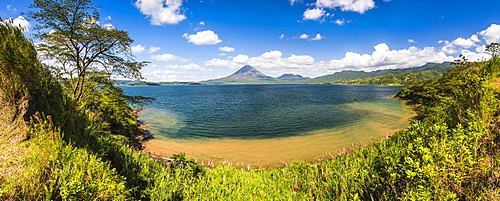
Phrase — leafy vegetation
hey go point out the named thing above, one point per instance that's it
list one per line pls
(69, 148)
(79, 44)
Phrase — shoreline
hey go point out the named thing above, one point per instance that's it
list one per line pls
(248, 154)
(141, 134)
(270, 153)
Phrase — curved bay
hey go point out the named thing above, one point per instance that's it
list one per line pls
(267, 125)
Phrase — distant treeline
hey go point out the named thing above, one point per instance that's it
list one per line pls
(385, 77)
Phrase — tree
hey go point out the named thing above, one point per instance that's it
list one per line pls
(71, 35)
(494, 48)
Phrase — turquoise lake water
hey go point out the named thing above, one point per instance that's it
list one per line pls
(257, 111)
(267, 125)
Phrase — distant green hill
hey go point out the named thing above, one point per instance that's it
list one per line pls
(292, 77)
(385, 77)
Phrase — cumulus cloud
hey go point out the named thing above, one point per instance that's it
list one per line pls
(307, 37)
(473, 48)
(191, 66)
(458, 44)
(491, 34)
(207, 37)
(313, 14)
(138, 49)
(226, 49)
(268, 60)
(384, 58)
(340, 22)
(303, 36)
(165, 75)
(153, 49)
(201, 23)
(161, 12)
(360, 6)
(318, 37)
(381, 58)
(476, 56)
(241, 59)
(281, 36)
(168, 57)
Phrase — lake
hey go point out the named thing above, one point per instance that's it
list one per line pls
(267, 125)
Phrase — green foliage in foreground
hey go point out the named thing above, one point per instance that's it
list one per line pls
(77, 151)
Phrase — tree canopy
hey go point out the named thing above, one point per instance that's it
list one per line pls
(72, 36)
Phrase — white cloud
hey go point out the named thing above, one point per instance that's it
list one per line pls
(201, 23)
(240, 59)
(159, 75)
(491, 34)
(281, 36)
(307, 37)
(318, 37)
(475, 56)
(458, 44)
(222, 54)
(168, 57)
(360, 6)
(340, 22)
(292, 2)
(384, 58)
(303, 36)
(9, 7)
(191, 66)
(207, 37)
(313, 14)
(22, 23)
(108, 18)
(466, 43)
(138, 49)
(411, 41)
(268, 60)
(226, 49)
(381, 58)
(153, 49)
(109, 26)
(161, 12)
(480, 49)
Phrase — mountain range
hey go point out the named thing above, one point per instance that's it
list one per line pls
(249, 75)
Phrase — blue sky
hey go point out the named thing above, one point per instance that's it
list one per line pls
(205, 39)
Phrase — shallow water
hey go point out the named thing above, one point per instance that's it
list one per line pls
(267, 125)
